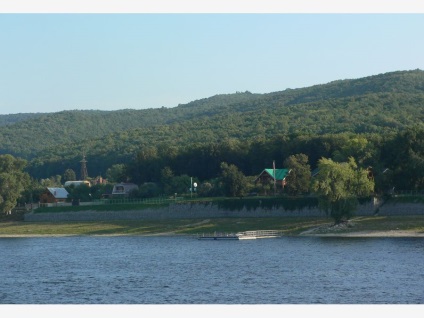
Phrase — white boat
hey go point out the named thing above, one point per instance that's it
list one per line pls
(253, 235)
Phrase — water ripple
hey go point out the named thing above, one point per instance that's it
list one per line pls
(182, 270)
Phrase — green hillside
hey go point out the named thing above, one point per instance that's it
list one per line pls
(381, 105)
(20, 134)
(15, 118)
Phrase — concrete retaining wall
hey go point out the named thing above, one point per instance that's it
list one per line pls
(201, 211)
(401, 209)
(175, 211)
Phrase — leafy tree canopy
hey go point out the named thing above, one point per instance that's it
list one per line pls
(234, 181)
(69, 175)
(13, 181)
(299, 177)
(339, 185)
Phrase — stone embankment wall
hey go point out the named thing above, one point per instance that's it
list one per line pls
(401, 209)
(200, 211)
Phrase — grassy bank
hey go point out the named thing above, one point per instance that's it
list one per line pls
(289, 226)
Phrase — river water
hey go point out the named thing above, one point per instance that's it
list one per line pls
(184, 270)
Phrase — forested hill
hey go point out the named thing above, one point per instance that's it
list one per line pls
(380, 104)
(15, 118)
(25, 135)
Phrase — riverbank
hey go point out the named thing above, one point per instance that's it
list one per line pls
(375, 226)
(376, 233)
(392, 233)
(358, 234)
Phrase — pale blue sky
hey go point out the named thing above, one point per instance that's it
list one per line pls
(54, 62)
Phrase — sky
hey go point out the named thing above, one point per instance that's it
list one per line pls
(68, 58)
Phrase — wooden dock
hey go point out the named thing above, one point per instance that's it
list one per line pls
(247, 235)
(217, 236)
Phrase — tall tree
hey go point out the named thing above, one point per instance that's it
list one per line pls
(13, 181)
(69, 175)
(339, 185)
(404, 155)
(116, 173)
(356, 146)
(166, 180)
(299, 177)
(234, 181)
(53, 181)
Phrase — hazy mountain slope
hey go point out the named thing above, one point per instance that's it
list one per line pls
(15, 118)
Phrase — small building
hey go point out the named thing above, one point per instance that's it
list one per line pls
(98, 180)
(123, 189)
(54, 195)
(269, 176)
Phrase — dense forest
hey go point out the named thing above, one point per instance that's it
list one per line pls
(377, 120)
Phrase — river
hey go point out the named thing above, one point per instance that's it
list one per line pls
(184, 270)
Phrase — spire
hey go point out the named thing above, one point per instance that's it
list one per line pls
(84, 173)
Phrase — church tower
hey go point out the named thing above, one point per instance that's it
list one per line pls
(84, 174)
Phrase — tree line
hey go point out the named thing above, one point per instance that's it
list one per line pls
(396, 161)
(393, 162)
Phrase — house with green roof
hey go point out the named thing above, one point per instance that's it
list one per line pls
(269, 176)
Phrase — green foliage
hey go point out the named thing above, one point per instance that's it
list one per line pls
(211, 188)
(15, 118)
(79, 193)
(234, 181)
(84, 193)
(356, 147)
(299, 177)
(166, 180)
(404, 155)
(116, 173)
(69, 175)
(338, 185)
(286, 203)
(148, 190)
(53, 181)
(102, 207)
(13, 181)
(175, 184)
(180, 184)
(32, 192)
